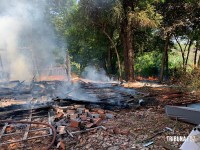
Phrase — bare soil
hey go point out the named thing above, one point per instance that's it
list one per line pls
(131, 128)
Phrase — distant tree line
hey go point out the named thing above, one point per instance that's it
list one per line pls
(113, 33)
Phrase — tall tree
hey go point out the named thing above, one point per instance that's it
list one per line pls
(97, 14)
(179, 17)
(131, 16)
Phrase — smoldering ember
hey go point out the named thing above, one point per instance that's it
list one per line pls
(99, 74)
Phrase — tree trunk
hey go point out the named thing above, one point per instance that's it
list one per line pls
(167, 64)
(195, 56)
(68, 65)
(182, 51)
(129, 40)
(198, 65)
(116, 51)
(125, 53)
(128, 51)
(188, 53)
(165, 53)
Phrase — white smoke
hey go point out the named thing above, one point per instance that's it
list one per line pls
(10, 27)
(92, 73)
(77, 92)
(26, 38)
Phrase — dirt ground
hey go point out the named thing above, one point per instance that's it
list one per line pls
(132, 128)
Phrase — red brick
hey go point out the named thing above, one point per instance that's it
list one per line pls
(100, 111)
(121, 131)
(83, 117)
(87, 111)
(116, 130)
(61, 130)
(59, 115)
(71, 129)
(97, 121)
(74, 123)
(89, 125)
(102, 116)
(125, 132)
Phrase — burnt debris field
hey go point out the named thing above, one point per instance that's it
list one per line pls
(99, 75)
(108, 115)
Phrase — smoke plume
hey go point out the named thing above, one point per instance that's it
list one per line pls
(26, 38)
(92, 73)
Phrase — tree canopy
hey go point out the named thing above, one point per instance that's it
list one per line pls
(117, 34)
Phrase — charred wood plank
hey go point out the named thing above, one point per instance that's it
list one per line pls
(103, 104)
(3, 130)
(27, 127)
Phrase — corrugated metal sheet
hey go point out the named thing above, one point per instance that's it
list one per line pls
(187, 114)
(193, 141)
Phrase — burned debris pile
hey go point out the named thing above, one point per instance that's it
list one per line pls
(76, 119)
(26, 126)
(82, 115)
(54, 123)
(57, 111)
(78, 116)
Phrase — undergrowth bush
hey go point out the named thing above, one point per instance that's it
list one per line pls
(189, 79)
(148, 64)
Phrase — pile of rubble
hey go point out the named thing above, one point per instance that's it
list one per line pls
(41, 118)
(78, 119)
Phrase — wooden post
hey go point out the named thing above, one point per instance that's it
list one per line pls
(165, 53)
(198, 65)
(68, 65)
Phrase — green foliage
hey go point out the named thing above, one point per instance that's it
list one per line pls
(82, 39)
(143, 15)
(76, 68)
(148, 64)
(146, 18)
(82, 27)
(117, 12)
(175, 60)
